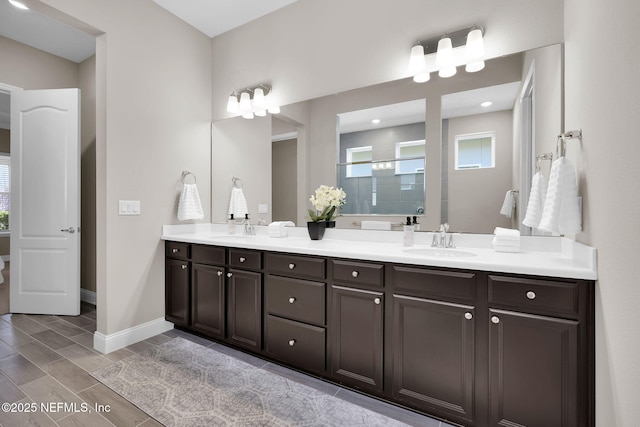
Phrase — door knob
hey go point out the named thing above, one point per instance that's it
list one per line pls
(69, 230)
(377, 301)
(219, 273)
(468, 316)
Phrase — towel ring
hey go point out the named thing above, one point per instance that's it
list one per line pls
(237, 182)
(185, 174)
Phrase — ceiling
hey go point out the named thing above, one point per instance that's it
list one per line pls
(457, 104)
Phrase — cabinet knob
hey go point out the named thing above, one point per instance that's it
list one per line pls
(292, 343)
(292, 266)
(468, 316)
(229, 274)
(292, 300)
(377, 301)
(495, 319)
(355, 273)
(219, 273)
(242, 259)
(531, 295)
(183, 266)
(175, 250)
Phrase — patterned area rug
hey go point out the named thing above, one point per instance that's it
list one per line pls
(180, 383)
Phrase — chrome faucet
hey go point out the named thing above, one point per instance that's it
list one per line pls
(442, 238)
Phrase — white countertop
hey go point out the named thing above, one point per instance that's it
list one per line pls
(541, 256)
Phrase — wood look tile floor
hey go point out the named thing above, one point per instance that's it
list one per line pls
(47, 360)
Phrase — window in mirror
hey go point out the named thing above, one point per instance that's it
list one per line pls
(362, 157)
(475, 151)
(413, 152)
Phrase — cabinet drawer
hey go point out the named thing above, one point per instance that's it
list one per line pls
(204, 254)
(176, 250)
(438, 284)
(296, 343)
(535, 296)
(295, 299)
(358, 273)
(242, 258)
(296, 266)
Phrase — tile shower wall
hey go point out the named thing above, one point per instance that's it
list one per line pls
(395, 194)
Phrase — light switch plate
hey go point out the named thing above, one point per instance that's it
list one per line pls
(129, 207)
(263, 208)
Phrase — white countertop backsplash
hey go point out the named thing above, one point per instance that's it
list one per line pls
(541, 256)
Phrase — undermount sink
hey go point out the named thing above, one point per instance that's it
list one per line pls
(439, 252)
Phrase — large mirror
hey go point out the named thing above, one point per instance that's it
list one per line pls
(282, 159)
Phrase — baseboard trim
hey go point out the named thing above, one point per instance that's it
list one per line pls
(87, 296)
(112, 342)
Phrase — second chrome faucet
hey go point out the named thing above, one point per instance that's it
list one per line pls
(442, 238)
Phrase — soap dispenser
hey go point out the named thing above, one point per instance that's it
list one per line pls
(231, 224)
(407, 230)
(416, 225)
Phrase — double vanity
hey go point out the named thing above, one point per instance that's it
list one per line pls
(468, 335)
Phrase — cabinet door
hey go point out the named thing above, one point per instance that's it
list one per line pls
(207, 300)
(177, 291)
(433, 356)
(357, 337)
(245, 308)
(533, 370)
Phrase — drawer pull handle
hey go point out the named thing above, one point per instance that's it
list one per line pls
(183, 266)
(175, 251)
(292, 300)
(219, 273)
(229, 274)
(292, 343)
(468, 316)
(495, 319)
(292, 266)
(531, 295)
(242, 259)
(377, 301)
(355, 273)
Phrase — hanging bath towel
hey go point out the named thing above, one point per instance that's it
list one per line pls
(189, 206)
(536, 201)
(561, 212)
(509, 204)
(238, 204)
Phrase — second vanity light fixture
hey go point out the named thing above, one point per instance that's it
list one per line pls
(470, 38)
(255, 101)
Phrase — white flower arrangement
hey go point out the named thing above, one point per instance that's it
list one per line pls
(326, 201)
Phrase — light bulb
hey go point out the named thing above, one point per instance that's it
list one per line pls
(474, 51)
(417, 64)
(232, 104)
(245, 103)
(259, 102)
(444, 58)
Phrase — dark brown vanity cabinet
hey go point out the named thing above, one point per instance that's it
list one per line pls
(540, 356)
(295, 310)
(470, 347)
(177, 276)
(357, 324)
(433, 344)
(244, 300)
(208, 290)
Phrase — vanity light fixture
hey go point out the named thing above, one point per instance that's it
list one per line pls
(18, 4)
(253, 102)
(474, 51)
(418, 65)
(446, 54)
(444, 58)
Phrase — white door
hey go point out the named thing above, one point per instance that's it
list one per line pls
(45, 202)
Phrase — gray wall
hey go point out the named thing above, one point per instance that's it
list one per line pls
(476, 195)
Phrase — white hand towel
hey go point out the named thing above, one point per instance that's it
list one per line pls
(506, 233)
(375, 225)
(506, 240)
(536, 201)
(238, 204)
(561, 212)
(189, 206)
(509, 204)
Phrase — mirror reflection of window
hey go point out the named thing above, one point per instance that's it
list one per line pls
(357, 155)
(413, 153)
(475, 151)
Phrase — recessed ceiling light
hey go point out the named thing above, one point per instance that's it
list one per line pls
(375, 121)
(486, 103)
(18, 4)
